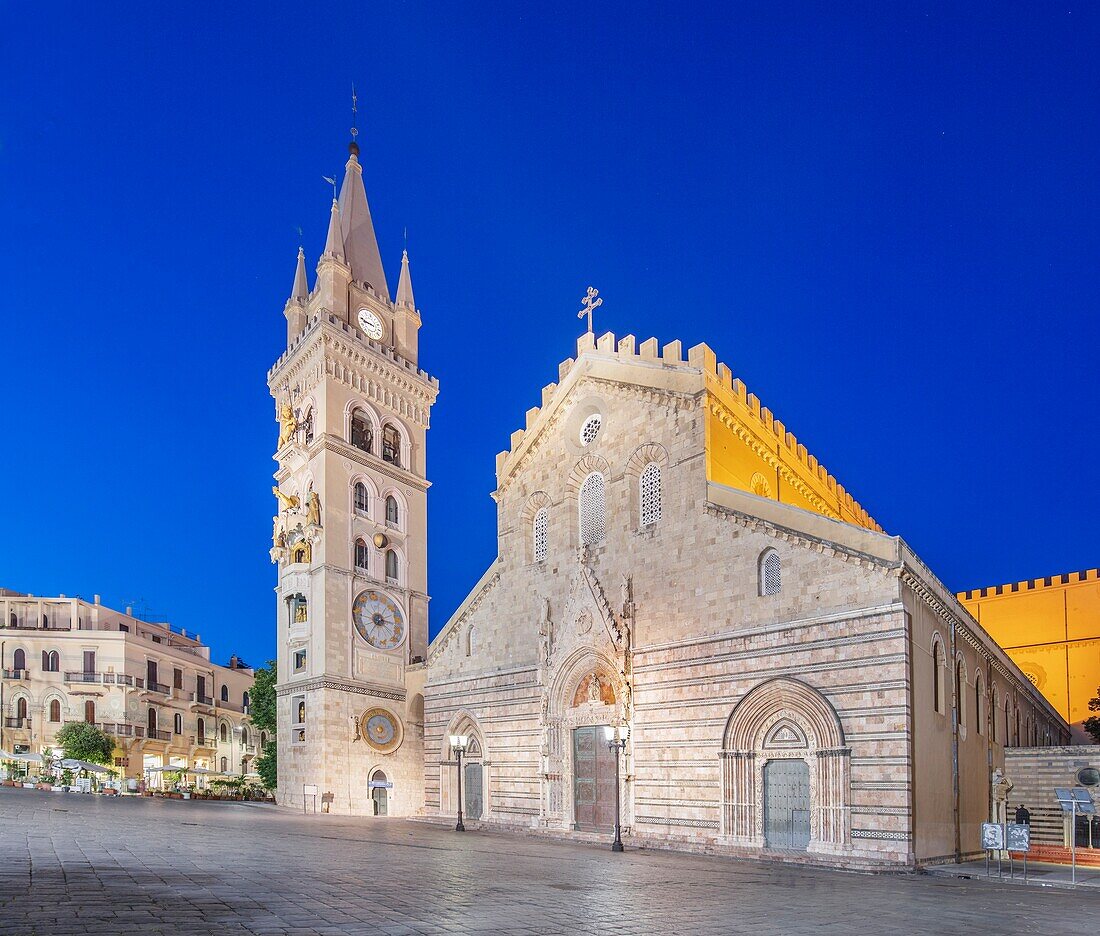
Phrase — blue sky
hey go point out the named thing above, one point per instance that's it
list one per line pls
(882, 217)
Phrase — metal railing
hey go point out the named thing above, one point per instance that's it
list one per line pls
(118, 679)
(84, 677)
(159, 735)
(15, 674)
(204, 700)
(157, 687)
(124, 730)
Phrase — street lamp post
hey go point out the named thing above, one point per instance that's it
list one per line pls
(458, 745)
(616, 736)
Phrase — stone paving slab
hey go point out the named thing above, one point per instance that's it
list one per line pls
(71, 863)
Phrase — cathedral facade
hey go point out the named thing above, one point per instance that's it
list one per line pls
(672, 564)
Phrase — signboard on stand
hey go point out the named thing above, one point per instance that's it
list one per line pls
(1018, 837)
(993, 836)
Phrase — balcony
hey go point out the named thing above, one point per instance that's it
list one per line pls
(248, 748)
(203, 700)
(84, 677)
(157, 687)
(117, 679)
(158, 735)
(15, 674)
(17, 723)
(232, 706)
(124, 730)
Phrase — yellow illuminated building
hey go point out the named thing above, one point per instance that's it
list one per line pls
(1050, 627)
(749, 449)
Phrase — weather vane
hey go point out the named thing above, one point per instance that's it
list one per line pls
(590, 302)
(354, 114)
(331, 180)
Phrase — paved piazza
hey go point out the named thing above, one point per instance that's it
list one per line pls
(83, 864)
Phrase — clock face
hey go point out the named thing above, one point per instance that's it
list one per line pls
(370, 323)
(381, 730)
(378, 620)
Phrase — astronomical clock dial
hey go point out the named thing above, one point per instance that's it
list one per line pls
(370, 324)
(378, 620)
(381, 730)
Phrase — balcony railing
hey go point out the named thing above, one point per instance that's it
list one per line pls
(17, 722)
(159, 735)
(157, 687)
(118, 679)
(232, 706)
(15, 674)
(84, 677)
(204, 700)
(248, 748)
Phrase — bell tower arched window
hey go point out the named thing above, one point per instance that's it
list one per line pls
(362, 433)
(362, 499)
(593, 509)
(362, 556)
(391, 566)
(391, 444)
(392, 515)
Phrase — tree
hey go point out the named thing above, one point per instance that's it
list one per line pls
(263, 713)
(262, 704)
(84, 741)
(1092, 724)
(266, 766)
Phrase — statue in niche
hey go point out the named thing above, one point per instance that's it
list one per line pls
(358, 734)
(286, 501)
(595, 688)
(1002, 786)
(278, 534)
(546, 633)
(313, 508)
(288, 424)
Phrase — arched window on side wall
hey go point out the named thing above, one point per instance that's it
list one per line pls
(223, 733)
(20, 660)
(89, 712)
(55, 710)
(225, 693)
(650, 491)
(960, 682)
(539, 533)
(177, 723)
(362, 556)
(771, 573)
(200, 730)
(225, 764)
(938, 663)
(151, 722)
(979, 703)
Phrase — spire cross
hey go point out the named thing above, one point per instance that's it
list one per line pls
(590, 303)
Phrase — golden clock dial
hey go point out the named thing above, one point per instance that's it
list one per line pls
(378, 620)
(381, 729)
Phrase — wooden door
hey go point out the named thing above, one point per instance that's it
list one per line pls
(593, 781)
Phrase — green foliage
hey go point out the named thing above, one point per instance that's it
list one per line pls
(262, 703)
(266, 766)
(1092, 725)
(84, 741)
(67, 777)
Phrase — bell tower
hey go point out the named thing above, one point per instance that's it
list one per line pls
(350, 529)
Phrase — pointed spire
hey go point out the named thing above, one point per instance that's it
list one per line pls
(301, 284)
(405, 284)
(334, 242)
(358, 229)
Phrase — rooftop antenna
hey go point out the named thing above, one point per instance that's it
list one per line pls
(353, 146)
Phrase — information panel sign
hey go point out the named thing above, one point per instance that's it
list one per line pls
(993, 836)
(1018, 837)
